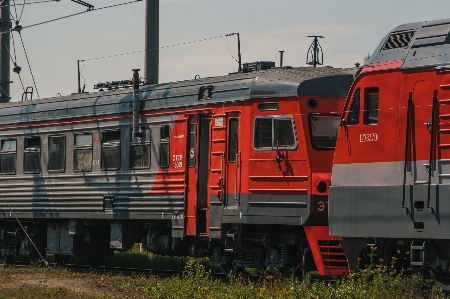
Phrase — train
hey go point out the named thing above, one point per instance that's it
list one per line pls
(235, 168)
(295, 168)
(391, 169)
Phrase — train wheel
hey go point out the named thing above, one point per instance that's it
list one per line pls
(62, 260)
(6, 259)
(230, 270)
(396, 256)
(96, 261)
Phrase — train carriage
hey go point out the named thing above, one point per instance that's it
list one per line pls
(391, 167)
(235, 167)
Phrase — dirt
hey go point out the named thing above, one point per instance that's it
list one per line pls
(46, 280)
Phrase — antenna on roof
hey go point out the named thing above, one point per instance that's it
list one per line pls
(312, 57)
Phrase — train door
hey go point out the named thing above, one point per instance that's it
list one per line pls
(232, 163)
(421, 137)
(197, 174)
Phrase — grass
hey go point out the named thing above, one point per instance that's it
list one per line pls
(196, 282)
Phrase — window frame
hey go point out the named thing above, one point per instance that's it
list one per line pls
(236, 147)
(357, 112)
(8, 152)
(274, 145)
(164, 141)
(368, 92)
(82, 147)
(110, 145)
(27, 150)
(143, 141)
(64, 153)
(314, 146)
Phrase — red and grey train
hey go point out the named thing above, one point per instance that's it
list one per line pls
(391, 169)
(235, 168)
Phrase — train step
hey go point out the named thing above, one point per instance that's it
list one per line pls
(417, 251)
(328, 254)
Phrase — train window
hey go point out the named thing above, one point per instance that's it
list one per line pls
(111, 150)
(323, 129)
(32, 154)
(165, 147)
(371, 105)
(83, 152)
(268, 106)
(353, 115)
(140, 153)
(57, 153)
(8, 156)
(274, 132)
(233, 140)
(192, 144)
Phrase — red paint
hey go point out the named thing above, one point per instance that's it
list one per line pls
(327, 253)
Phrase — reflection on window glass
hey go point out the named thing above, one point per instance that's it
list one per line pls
(56, 153)
(271, 132)
(164, 150)
(32, 154)
(83, 152)
(323, 130)
(353, 115)
(111, 150)
(8, 157)
(233, 140)
(371, 106)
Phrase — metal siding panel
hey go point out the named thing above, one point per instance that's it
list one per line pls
(364, 211)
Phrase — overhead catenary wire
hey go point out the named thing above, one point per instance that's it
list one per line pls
(71, 15)
(152, 49)
(26, 55)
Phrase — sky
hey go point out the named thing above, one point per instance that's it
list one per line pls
(352, 29)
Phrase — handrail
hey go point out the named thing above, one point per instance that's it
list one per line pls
(408, 135)
(432, 142)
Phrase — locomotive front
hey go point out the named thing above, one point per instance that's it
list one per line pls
(391, 167)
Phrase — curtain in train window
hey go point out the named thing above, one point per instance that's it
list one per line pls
(353, 115)
(140, 152)
(164, 151)
(56, 153)
(83, 152)
(111, 150)
(8, 156)
(371, 106)
(274, 132)
(32, 154)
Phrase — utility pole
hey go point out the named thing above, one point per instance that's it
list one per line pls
(5, 30)
(152, 42)
(239, 50)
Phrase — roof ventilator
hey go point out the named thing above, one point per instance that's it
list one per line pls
(397, 40)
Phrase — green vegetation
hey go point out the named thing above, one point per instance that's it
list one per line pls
(196, 282)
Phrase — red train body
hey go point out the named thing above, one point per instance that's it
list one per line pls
(235, 168)
(391, 167)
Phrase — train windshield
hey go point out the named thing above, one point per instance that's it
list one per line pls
(324, 130)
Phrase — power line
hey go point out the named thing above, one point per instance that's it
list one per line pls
(68, 16)
(32, 76)
(163, 47)
(79, 13)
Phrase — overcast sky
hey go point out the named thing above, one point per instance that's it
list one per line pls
(352, 30)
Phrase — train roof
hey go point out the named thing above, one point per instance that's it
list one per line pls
(419, 44)
(275, 82)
